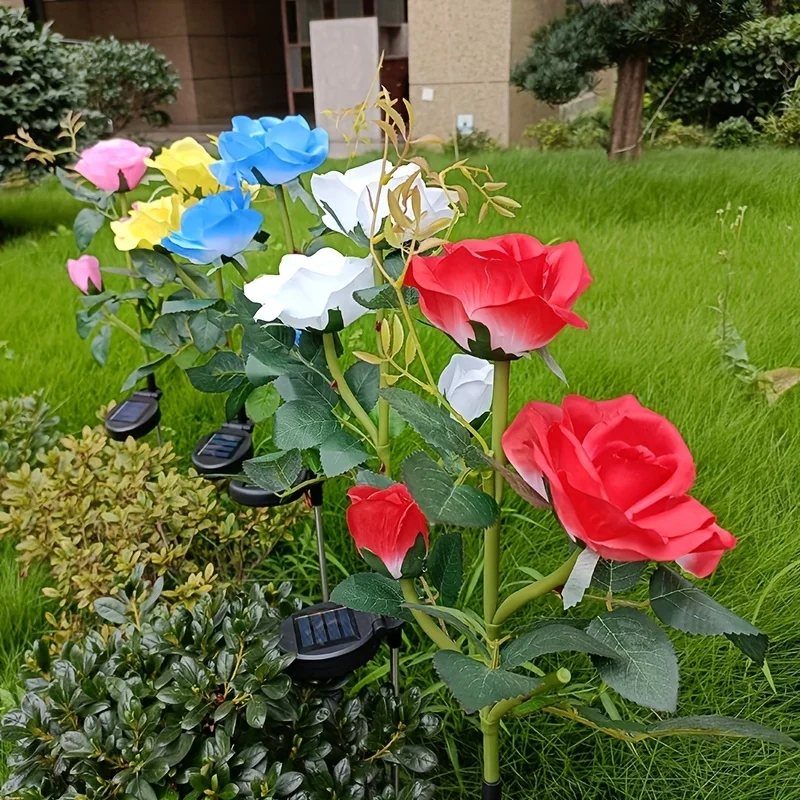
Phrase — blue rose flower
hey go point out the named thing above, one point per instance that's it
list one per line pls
(279, 149)
(219, 225)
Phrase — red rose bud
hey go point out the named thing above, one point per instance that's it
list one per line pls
(388, 525)
(618, 476)
(503, 297)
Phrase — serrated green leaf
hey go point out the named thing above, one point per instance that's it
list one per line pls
(618, 576)
(223, 372)
(307, 385)
(205, 334)
(156, 268)
(340, 453)
(364, 381)
(87, 223)
(645, 669)
(168, 334)
(100, 345)
(446, 566)
(268, 365)
(441, 499)
(189, 304)
(552, 638)
(366, 477)
(384, 296)
(435, 426)
(237, 398)
(475, 685)
(275, 472)
(376, 594)
(301, 424)
(262, 402)
(142, 372)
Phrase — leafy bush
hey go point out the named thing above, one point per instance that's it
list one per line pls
(675, 134)
(734, 132)
(474, 142)
(742, 74)
(784, 128)
(196, 704)
(130, 81)
(38, 85)
(95, 508)
(585, 132)
(549, 133)
(27, 428)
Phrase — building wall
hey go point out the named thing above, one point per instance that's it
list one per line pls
(462, 51)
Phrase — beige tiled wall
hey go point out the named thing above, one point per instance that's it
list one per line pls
(463, 50)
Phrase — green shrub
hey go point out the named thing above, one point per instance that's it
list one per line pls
(130, 81)
(38, 86)
(28, 427)
(94, 509)
(474, 142)
(549, 133)
(675, 134)
(586, 131)
(197, 704)
(784, 129)
(734, 132)
(742, 74)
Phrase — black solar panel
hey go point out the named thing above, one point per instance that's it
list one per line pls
(129, 411)
(220, 445)
(325, 628)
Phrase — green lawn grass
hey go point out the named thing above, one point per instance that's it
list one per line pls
(650, 237)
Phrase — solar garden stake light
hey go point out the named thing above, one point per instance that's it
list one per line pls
(137, 415)
(223, 451)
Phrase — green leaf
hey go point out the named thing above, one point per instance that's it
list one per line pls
(475, 685)
(435, 426)
(189, 304)
(416, 758)
(455, 617)
(111, 610)
(81, 192)
(140, 789)
(384, 296)
(205, 334)
(142, 372)
(441, 500)
(168, 334)
(446, 566)
(223, 372)
(76, 743)
(262, 402)
(365, 477)
(100, 343)
(645, 669)
(340, 453)
(307, 385)
(552, 638)
(301, 424)
(364, 381)
(237, 398)
(618, 576)
(86, 322)
(86, 225)
(678, 603)
(267, 365)
(156, 268)
(256, 711)
(275, 472)
(552, 364)
(373, 593)
(754, 647)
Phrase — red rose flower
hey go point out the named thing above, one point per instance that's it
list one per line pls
(618, 476)
(514, 287)
(386, 522)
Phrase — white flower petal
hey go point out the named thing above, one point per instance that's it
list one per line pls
(467, 384)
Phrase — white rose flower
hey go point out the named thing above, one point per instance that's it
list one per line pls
(467, 384)
(348, 199)
(308, 288)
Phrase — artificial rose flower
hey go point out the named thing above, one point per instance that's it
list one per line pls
(268, 149)
(185, 164)
(103, 162)
(149, 223)
(467, 383)
(503, 297)
(219, 225)
(348, 199)
(309, 290)
(618, 476)
(386, 522)
(84, 271)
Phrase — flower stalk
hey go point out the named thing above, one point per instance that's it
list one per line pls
(280, 196)
(433, 631)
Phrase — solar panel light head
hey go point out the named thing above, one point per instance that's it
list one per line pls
(248, 494)
(331, 641)
(135, 416)
(223, 451)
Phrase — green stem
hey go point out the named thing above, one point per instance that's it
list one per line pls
(491, 751)
(491, 566)
(280, 196)
(220, 280)
(346, 393)
(189, 282)
(434, 632)
(555, 680)
(117, 322)
(383, 444)
(533, 591)
(123, 212)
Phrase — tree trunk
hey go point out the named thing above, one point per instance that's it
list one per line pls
(626, 121)
(772, 7)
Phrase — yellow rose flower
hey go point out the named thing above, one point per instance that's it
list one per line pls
(149, 223)
(185, 165)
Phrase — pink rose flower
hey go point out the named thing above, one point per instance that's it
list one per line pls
(103, 162)
(83, 270)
